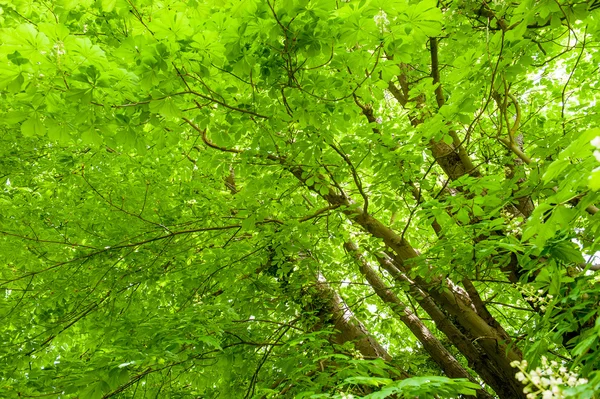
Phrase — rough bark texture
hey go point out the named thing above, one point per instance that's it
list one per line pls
(499, 352)
(348, 328)
(463, 340)
(438, 352)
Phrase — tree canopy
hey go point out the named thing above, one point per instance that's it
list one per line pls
(299, 198)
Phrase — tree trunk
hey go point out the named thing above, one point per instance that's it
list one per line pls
(333, 310)
(437, 351)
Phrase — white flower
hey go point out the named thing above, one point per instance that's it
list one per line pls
(596, 142)
(556, 380)
(547, 395)
(545, 381)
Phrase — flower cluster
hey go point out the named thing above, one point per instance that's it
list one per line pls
(59, 48)
(547, 381)
(536, 297)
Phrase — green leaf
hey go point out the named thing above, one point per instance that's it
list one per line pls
(13, 117)
(176, 218)
(463, 216)
(585, 345)
(211, 341)
(249, 223)
(33, 127)
(91, 136)
(86, 50)
(172, 25)
(108, 5)
(568, 252)
(372, 381)
(555, 169)
(594, 182)
(117, 376)
(94, 391)
(169, 108)
(424, 17)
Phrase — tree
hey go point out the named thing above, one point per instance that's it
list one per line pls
(299, 198)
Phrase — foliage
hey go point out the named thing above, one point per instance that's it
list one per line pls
(298, 198)
(417, 387)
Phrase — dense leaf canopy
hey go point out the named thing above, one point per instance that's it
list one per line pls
(299, 198)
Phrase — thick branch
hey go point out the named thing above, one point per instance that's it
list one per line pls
(207, 141)
(432, 345)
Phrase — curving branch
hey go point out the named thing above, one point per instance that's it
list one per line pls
(207, 141)
(517, 123)
(431, 344)
(355, 176)
(435, 72)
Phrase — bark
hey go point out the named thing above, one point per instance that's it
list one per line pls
(333, 310)
(453, 158)
(464, 341)
(500, 351)
(230, 181)
(496, 353)
(463, 164)
(438, 352)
